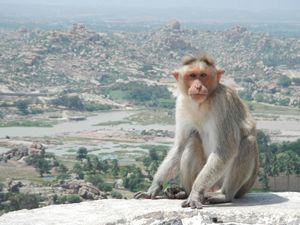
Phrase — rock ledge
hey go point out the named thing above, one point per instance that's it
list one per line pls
(254, 208)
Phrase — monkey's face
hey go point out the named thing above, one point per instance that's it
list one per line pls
(198, 80)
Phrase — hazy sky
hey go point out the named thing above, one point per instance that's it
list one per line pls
(249, 5)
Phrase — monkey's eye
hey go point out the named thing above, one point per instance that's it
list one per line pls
(203, 75)
(193, 75)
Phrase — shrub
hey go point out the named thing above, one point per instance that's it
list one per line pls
(284, 81)
(104, 187)
(81, 153)
(95, 107)
(117, 195)
(19, 201)
(95, 179)
(72, 102)
(22, 105)
(73, 198)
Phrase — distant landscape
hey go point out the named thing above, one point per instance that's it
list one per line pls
(87, 106)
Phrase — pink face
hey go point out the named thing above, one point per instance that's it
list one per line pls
(200, 81)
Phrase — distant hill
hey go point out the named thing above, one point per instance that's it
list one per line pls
(80, 60)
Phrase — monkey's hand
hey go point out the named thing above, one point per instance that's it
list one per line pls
(152, 192)
(194, 200)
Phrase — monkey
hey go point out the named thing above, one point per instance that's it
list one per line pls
(215, 138)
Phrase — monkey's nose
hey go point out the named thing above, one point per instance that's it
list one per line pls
(199, 88)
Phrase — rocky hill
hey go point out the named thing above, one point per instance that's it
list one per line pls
(254, 208)
(80, 60)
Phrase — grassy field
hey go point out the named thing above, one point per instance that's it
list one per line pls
(19, 171)
(24, 123)
(257, 107)
(148, 117)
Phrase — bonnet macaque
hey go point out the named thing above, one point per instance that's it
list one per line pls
(215, 138)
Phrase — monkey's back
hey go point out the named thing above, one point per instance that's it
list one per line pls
(232, 113)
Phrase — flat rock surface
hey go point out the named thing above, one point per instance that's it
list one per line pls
(255, 208)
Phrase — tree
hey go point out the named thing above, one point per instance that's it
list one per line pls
(40, 163)
(134, 179)
(81, 153)
(72, 102)
(94, 179)
(105, 165)
(262, 140)
(259, 97)
(78, 170)
(117, 195)
(284, 81)
(115, 168)
(22, 106)
(62, 171)
(152, 161)
(19, 201)
(290, 163)
(296, 81)
(88, 166)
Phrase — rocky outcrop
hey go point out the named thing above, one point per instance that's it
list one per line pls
(84, 189)
(254, 208)
(22, 150)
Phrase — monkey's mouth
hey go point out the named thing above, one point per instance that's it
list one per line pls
(198, 94)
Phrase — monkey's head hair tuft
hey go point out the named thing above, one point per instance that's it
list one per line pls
(191, 59)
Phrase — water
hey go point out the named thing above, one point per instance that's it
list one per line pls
(281, 127)
(65, 127)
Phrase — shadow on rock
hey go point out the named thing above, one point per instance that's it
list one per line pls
(254, 199)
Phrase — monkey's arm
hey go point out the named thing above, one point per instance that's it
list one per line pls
(169, 167)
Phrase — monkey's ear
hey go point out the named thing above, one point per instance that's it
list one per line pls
(175, 73)
(220, 72)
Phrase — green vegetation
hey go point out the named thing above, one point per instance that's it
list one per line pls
(72, 102)
(22, 105)
(40, 162)
(152, 162)
(272, 109)
(25, 123)
(284, 81)
(142, 94)
(277, 158)
(62, 172)
(296, 80)
(154, 117)
(15, 201)
(112, 123)
(91, 107)
(66, 199)
(134, 179)
(117, 195)
(81, 153)
(75, 103)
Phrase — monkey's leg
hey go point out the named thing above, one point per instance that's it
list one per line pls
(250, 144)
(240, 176)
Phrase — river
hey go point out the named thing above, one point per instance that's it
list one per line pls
(281, 128)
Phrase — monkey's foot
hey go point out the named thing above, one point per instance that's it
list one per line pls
(175, 192)
(194, 200)
(194, 204)
(217, 198)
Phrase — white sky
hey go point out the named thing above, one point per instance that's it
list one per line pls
(249, 5)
